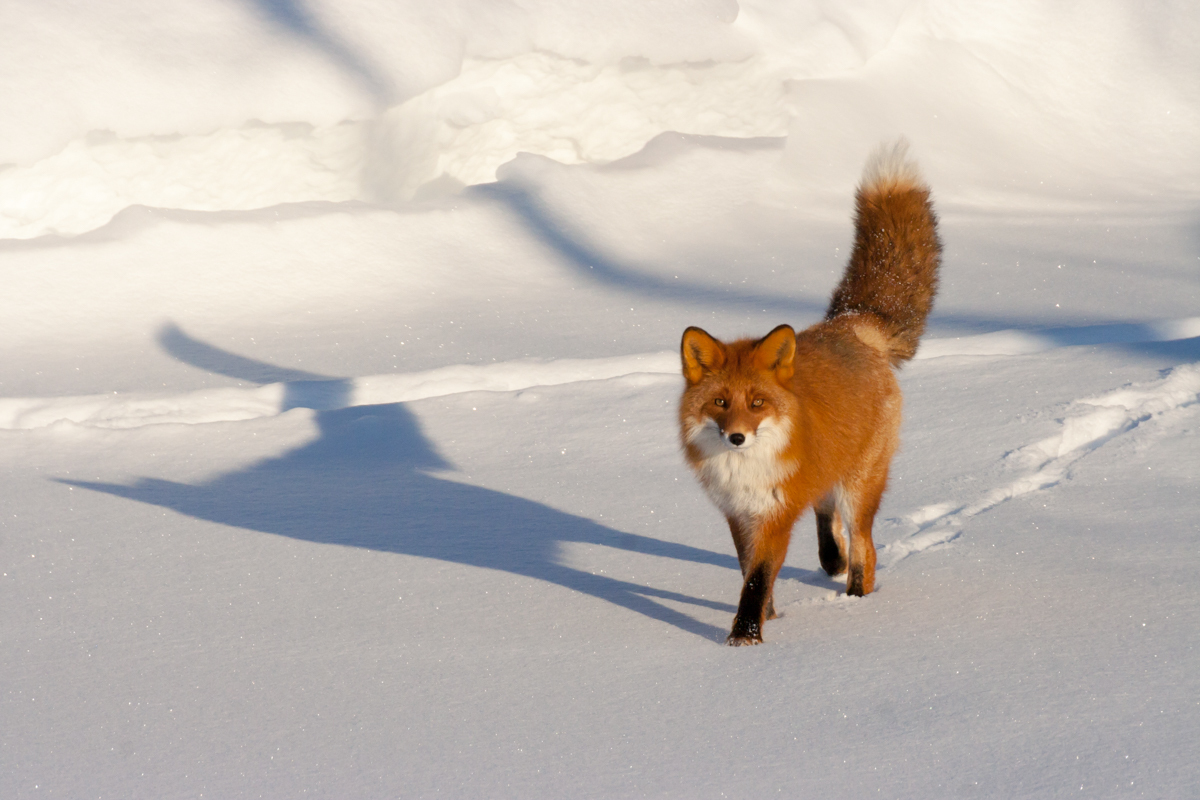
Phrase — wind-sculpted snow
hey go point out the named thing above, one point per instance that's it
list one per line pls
(332, 469)
(231, 404)
(423, 97)
(1018, 342)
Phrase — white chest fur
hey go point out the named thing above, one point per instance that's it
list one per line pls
(744, 482)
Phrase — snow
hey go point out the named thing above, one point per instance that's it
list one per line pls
(338, 405)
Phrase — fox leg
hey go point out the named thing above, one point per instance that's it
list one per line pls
(860, 578)
(831, 545)
(759, 571)
(742, 541)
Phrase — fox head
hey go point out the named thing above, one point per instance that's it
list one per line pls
(736, 394)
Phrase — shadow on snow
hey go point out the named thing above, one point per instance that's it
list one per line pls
(295, 17)
(366, 482)
(586, 259)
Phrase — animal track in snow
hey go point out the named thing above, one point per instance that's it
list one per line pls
(1045, 463)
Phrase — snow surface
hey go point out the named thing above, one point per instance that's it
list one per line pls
(338, 401)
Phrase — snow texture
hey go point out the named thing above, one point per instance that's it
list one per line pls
(338, 409)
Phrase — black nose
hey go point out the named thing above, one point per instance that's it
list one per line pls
(737, 439)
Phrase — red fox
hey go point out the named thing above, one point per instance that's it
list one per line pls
(772, 426)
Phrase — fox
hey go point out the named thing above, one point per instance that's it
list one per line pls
(774, 426)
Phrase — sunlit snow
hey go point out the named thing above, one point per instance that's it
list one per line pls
(338, 403)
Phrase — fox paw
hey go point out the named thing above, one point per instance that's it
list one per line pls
(742, 640)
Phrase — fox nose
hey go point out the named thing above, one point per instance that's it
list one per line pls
(737, 439)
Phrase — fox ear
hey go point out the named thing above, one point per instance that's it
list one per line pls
(776, 352)
(701, 353)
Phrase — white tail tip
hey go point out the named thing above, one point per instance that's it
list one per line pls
(889, 166)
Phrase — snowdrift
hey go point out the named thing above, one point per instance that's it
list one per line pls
(242, 105)
(337, 409)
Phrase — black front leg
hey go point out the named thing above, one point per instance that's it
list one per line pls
(833, 557)
(747, 625)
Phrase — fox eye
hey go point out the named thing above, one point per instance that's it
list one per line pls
(757, 403)
(720, 401)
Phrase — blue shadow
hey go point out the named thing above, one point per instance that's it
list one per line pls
(302, 389)
(589, 261)
(294, 17)
(365, 482)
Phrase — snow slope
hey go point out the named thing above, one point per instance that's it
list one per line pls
(241, 105)
(337, 410)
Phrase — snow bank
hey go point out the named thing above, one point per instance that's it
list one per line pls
(206, 107)
(336, 491)
(234, 404)
(1014, 342)
(1030, 98)
(178, 68)
(1117, 411)
(224, 106)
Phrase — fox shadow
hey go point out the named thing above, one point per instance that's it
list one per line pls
(365, 483)
(368, 481)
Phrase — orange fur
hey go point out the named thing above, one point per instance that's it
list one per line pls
(775, 425)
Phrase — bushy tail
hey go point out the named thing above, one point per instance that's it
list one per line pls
(893, 269)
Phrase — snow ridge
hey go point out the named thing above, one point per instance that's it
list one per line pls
(1025, 342)
(236, 403)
